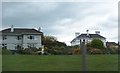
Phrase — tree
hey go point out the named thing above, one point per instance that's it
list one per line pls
(50, 42)
(96, 46)
(96, 43)
(50, 38)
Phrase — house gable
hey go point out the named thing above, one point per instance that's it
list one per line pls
(20, 36)
(90, 36)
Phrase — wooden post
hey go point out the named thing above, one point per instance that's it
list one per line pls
(83, 49)
(42, 51)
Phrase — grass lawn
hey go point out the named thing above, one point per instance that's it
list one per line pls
(58, 63)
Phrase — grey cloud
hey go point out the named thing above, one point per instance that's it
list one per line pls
(51, 16)
(23, 12)
(111, 23)
(26, 14)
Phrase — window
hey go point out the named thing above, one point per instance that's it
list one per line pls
(31, 45)
(4, 37)
(31, 37)
(80, 40)
(4, 46)
(19, 37)
(18, 46)
(83, 40)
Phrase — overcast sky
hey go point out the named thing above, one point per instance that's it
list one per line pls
(63, 19)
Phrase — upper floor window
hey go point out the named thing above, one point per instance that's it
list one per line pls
(19, 37)
(4, 37)
(31, 37)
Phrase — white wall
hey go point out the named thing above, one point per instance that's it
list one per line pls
(12, 41)
(36, 41)
(77, 41)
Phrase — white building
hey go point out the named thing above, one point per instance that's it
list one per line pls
(15, 38)
(87, 38)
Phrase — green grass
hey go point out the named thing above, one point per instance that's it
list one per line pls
(59, 63)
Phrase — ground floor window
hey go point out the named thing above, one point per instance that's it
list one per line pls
(4, 46)
(18, 46)
(31, 45)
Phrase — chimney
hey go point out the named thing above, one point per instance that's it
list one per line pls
(77, 34)
(97, 32)
(87, 32)
(39, 29)
(12, 29)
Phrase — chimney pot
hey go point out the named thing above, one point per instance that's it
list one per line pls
(39, 29)
(97, 32)
(87, 32)
(12, 28)
(77, 34)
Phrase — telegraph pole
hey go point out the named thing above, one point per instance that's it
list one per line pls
(83, 49)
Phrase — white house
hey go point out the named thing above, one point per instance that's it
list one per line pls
(15, 38)
(87, 37)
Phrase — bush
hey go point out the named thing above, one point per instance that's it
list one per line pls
(19, 51)
(96, 46)
(6, 52)
(95, 51)
(76, 51)
(29, 51)
(113, 50)
(96, 43)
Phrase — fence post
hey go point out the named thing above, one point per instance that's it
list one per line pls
(83, 49)
(42, 49)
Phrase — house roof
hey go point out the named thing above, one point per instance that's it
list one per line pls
(20, 31)
(111, 43)
(89, 36)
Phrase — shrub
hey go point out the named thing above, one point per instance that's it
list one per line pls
(113, 50)
(95, 51)
(96, 46)
(76, 51)
(6, 52)
(96, 43)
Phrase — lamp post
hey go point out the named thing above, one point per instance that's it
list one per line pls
(83, 49)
